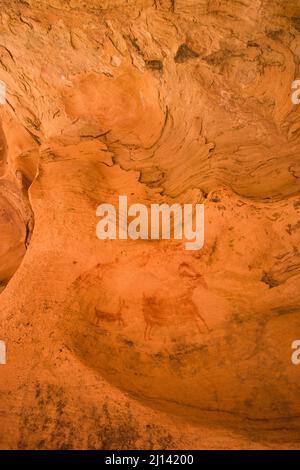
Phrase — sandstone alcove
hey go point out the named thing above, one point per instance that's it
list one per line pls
(141, 344)
(17, 171)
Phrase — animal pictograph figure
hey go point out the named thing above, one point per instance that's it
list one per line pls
(159, 312)
(107, 316)
(154, 314)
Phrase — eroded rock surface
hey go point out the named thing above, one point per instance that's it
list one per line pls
(142, 344)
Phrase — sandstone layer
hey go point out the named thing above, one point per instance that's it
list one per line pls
(163, 101)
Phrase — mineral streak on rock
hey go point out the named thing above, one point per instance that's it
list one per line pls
(141, 344)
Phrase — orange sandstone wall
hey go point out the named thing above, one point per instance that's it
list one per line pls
(142, 344)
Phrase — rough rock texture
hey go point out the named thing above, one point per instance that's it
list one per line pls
(162, 101)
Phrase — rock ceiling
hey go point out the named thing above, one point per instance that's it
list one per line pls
(163, 101)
